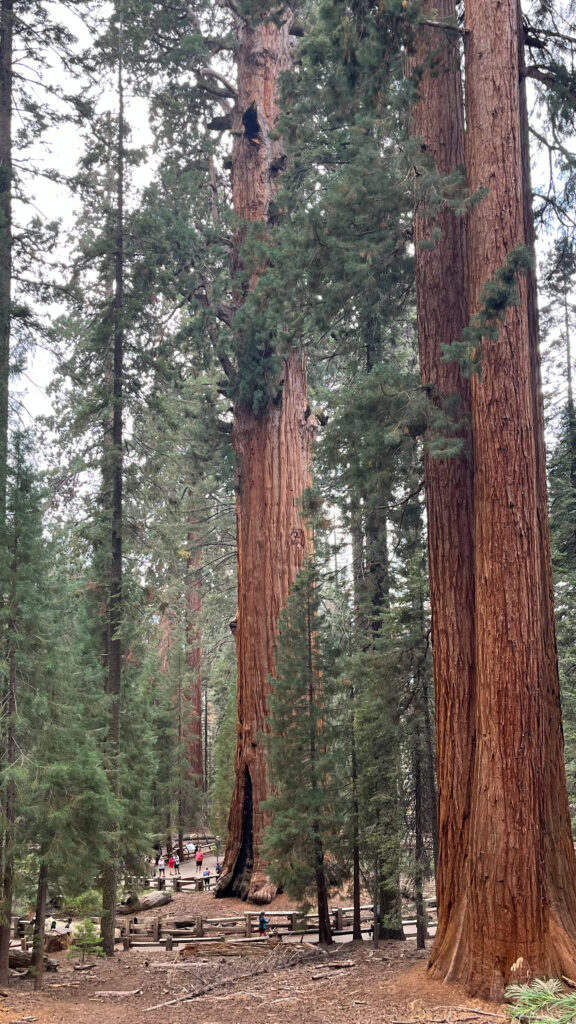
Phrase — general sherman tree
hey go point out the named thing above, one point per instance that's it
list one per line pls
(516, 917)
(272, 435)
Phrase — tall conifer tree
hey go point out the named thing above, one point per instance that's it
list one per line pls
(442, 310)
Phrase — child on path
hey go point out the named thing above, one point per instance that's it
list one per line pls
(171, 864)
(161, 867)
(176, 864)
(262, 922)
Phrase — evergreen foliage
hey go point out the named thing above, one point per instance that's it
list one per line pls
(542, 1002)
(302, 841)
(335, 276)
(86, 941)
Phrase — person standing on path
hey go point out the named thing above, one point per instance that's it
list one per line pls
(161, 867)
(176, 864)
(199, 859)
(171, 864)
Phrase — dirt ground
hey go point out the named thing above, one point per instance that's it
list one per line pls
(353, 982)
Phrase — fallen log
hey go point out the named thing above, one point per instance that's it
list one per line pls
(234, 948)
(118, 995)
(146, 902)
(19, 959)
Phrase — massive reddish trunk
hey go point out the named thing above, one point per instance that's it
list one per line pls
(441, 288)
(272, 447)
(273, 466)
(558, 828)
(518, 916)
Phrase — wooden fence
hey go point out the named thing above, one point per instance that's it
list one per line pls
(140, 931)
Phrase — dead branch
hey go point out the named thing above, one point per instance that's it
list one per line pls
(230, 92)
(446, 26)
(118, 995)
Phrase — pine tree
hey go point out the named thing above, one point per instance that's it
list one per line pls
(305, 770)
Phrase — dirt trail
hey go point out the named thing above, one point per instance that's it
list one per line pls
(352, 983)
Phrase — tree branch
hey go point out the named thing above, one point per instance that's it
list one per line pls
(549, 78)
(548, 33)
(209, 73)
(555, 145)
(446, 25)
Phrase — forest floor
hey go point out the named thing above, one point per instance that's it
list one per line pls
(291, 984)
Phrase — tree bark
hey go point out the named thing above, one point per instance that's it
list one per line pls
(193, 689)
(442, 309)
(8, 724)
(115, 474)
(272, 449)
(518, 915)
(39, 922)
(6, 81)
(273, 457)
(421, 924)
(356, 884)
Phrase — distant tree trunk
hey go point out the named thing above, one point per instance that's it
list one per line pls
(442, 309)
(324, 926)
(389, 896)
(6, 80)
(518, 915)
(9, 824)
(193, 689)
(429, 769)
(114, 471)
(272, 448)
(10, 712)
(39, 922)
(356, 921)
(421, 924)
(9, 709)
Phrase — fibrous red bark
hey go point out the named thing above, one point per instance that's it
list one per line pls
(272, 448)
(516, 918)
(442, 304)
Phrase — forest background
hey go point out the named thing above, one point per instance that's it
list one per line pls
(119, 553)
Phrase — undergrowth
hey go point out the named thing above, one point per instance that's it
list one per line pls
(542, 1002)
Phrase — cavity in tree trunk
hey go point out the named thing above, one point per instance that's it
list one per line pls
(272, 448)
(272, 458)
(442, 309)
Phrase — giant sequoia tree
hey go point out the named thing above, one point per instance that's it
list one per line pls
(507, 887)
(272, 435)
(442, 304)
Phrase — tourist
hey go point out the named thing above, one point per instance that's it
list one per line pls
(199, 859)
